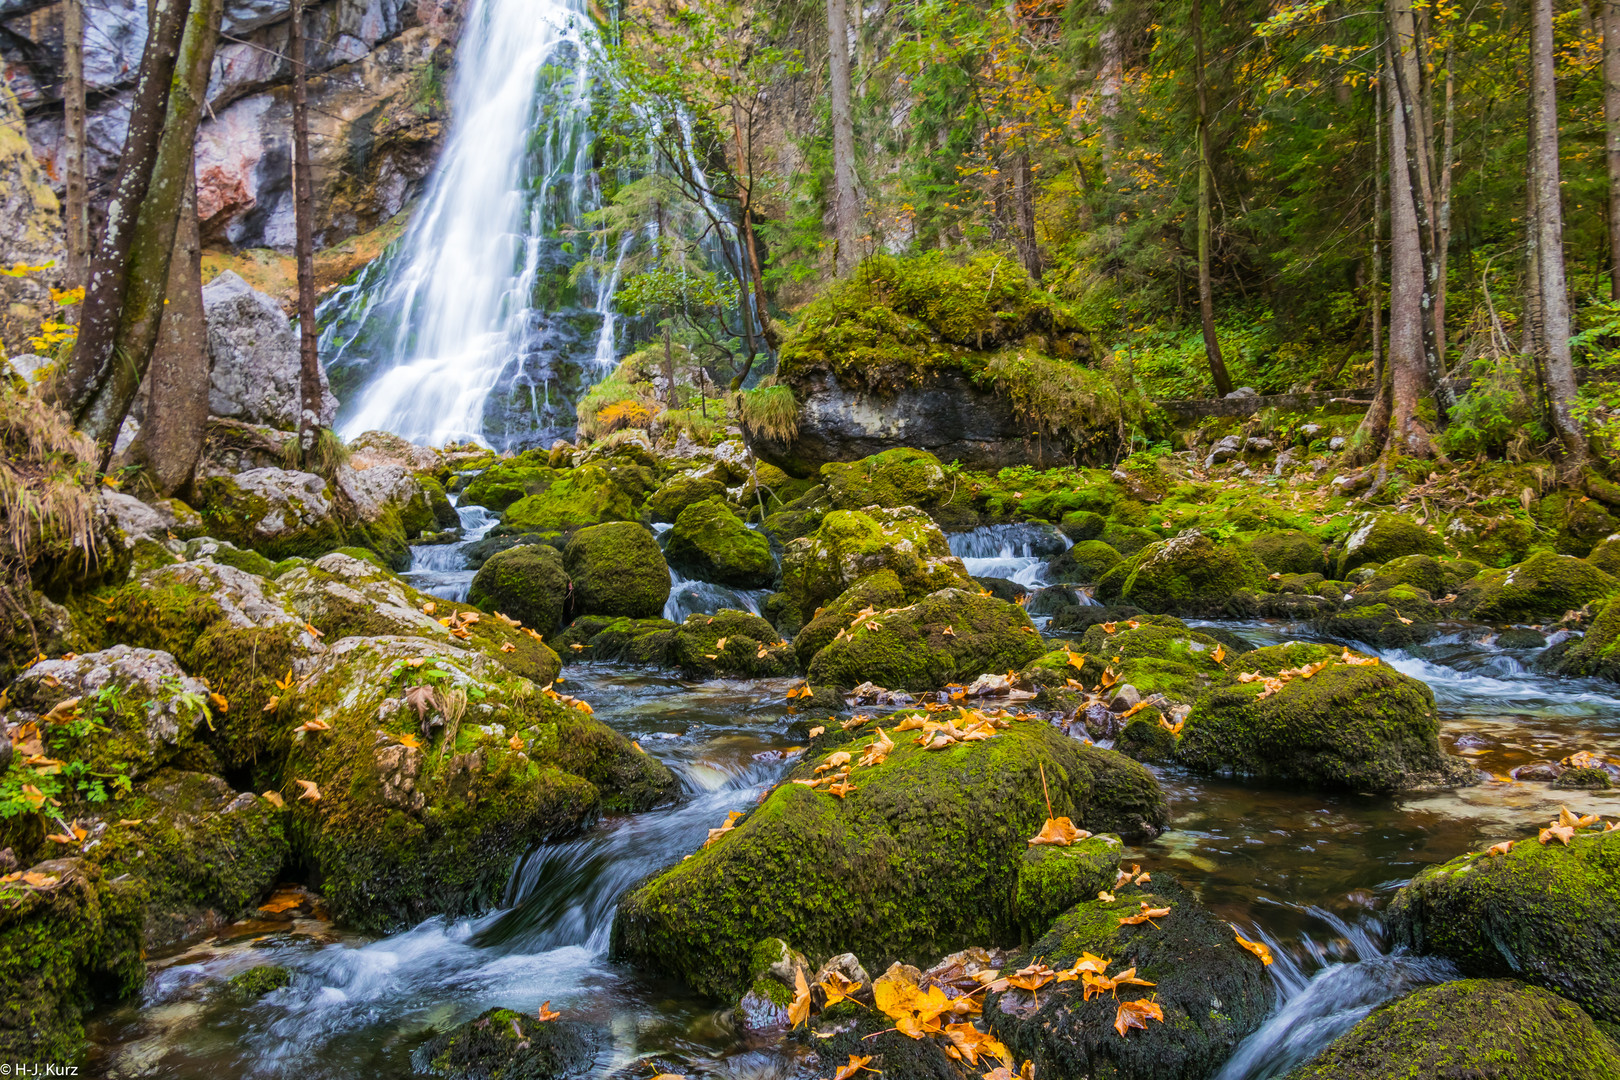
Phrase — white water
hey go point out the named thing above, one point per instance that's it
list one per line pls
(441, 569)
(448, 337)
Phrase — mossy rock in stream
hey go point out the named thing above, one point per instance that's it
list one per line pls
(1087, 561)
(234, 630)
(1545, 913)
(1213, 992)
(1437, 577)
(1358, 726)
(347, 597)
(900, 477)
(879, 591)
(1378, 538)
(1159, 655)
(66, 946)
(952, 635)
(527, 582)
(1478, 1029)
(922, 858)
(256, 982)
(617, 569)
(1577, 522)
(1606, 555)
(1394, 618)
(1597, 654)
(608, 637)
(751, 648)
(1052, 879)
(507, 480)
(427, 801)
(1191, 575)
(710, 543)
(851, 544)
(682, 490)
(501, 1044)
(1288, 551)
(846, 1030)
(569, 499)
(1540, 589)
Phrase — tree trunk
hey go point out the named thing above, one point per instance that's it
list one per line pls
(1206, 301)
(1110, 77)
(1611, 138)
(1550, 235)
(89, 365)
(1408, 379)
(76, 213)
(153, 239)
(1029, 249)
(1377, 239)
(846, 202)
(309, 360)
(1442, 237)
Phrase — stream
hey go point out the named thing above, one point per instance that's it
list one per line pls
(1305, 872)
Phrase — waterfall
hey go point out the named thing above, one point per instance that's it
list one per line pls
(475, 326)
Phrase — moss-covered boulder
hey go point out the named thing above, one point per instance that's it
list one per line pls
(899, 477)
(256, 982)
(1545, 913)
(1495, 1029)
(501, 1044)
(1087, 561)
(1577, 522)
(730, 643)
(1358, 725)
(682, 490)
(610, 637)
(123, 712)
(879, 591)
(1157, 655)
(1606, 555)
(921, 858)
(1437, 577)
(507, 480)
(276, 512)
(1192, 575)
(570, 499)
(1052, 879)
(342, 596)
(205, 852)
(1080, 525)
(617, 569)
(436, 770)
(232, 629)
(527, 582)
(1378, 538)
(228, 554)
(69, 939)
(1393, 618)
(1127, 539)
(1542, 588)
(850, 544)
(710, 543)
(1596, 654)
(952, 635)
(1213, 992)
(1288, 551)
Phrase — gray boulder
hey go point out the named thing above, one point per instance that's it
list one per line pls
(255, 357)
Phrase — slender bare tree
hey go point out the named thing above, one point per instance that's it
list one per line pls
(309, 366)
(1206, 181)
(76, 213)
(846, 199)
(1611, 129)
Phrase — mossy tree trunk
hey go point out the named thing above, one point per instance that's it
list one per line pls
(1206, 301)
(309, 361)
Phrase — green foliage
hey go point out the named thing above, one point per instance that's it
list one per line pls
(1499, 416)
(768, 411)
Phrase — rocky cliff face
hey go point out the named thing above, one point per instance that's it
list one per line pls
(377, 106)
(30, 230)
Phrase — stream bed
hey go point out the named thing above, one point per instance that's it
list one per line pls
(1306, 872)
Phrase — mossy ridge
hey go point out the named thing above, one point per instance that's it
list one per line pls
(1545, 913)
(401, 833)
(1495, 1029)
(1213, 992)
(922, 858)
(63, 949)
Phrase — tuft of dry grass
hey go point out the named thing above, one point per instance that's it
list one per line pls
(769, 412)
(47, 482)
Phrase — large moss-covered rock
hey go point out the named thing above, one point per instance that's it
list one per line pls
(527, 582)
(1389, 619)
(1437, 577)
(1545, 913)
(1473, 1028)
(952, 635)
(276, 512)
(879, 592)
(1288, 551)
(730, 643)
(507, 480)
(226, 554)
(1606, 555)
(850, 544)
(427, 797)
(614, 637)
(569, 499)
(342, 596)
(1158, 655)
(1212, 991)
(504, 1045)
(1542, 588)
(1191, 575)
(123, 712)
(1052, 879)
(1358, 726)
(1087, 561)
(617, 569)
(1378, 538)
(682, 490)
(899, 477)
(710, 543)
(206, 852)
(1577, 522)
(920, 859)
(68, 943)
(232, 629)
(1598, 652)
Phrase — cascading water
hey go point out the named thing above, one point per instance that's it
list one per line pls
(476, 326)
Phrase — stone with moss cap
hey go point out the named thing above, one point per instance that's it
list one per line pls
(1191, 575)
(1606, 555)
(1495, 1028)
(1159, 655)
(952, 635)
(276, 512)
(1437, 577)
(1378, 538)
(506, 480)
(1597, 653)
(527, 582)
(1052, 879)
(850, 544)
(1214, 993)
(899, 477)
(509, 1045)
(1545, 913)
(1542, 588)
(752, 648)
(710, 543)
(570, 499)
(682, 490)
(920, 859)
(1086, 562)
(424, 807)
(256, 982)
(1577, 522)
(1288, 551)
(615, 637)
(617, 569)
(879, 591)
(65, 947)
(1357, 726)
(228, 554)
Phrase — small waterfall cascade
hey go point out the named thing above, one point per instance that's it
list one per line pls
(476, 325)
(1016, 552)
(441, 569)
